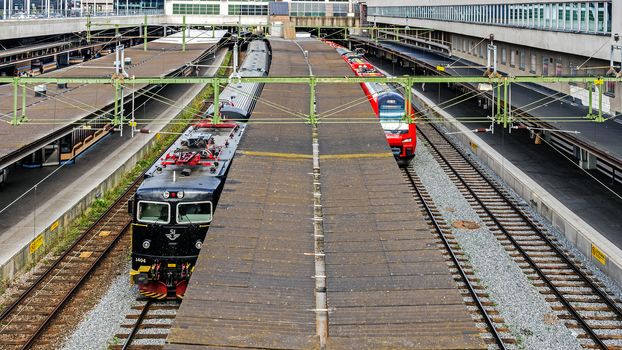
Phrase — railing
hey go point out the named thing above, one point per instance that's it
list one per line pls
(73, 13)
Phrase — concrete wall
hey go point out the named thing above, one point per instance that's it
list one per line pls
(577, 231)
(23, 28)
(571, 43)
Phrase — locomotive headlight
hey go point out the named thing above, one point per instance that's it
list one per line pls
(407, 140)
(166, 194)
(180, 194)
(198, 244)
(146, 244)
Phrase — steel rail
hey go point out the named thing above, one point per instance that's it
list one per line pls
(539, 232)
(437, 226)
(136, 327)
(120, 201)
(71, 292)
(79, 240)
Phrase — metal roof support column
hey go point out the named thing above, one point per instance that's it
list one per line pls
(216, 92)
(599, 118)
(117, 88)
(590, 89)
(183, 34)
(15, 120)
(499, 117)
(23, 117)
(506, 118)
(88, 29)
(408, 116)
(145, 34)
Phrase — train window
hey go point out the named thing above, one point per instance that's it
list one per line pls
(154, 212)
(194, 213)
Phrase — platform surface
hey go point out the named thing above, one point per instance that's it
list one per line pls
(388, 284)
(49, 117)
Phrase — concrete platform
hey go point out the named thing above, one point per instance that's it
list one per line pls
(68, 190)
(56, 114)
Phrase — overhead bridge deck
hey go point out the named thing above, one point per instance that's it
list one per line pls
(55, 115)
(387, 283)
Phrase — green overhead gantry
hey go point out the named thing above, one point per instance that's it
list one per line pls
(496, 82)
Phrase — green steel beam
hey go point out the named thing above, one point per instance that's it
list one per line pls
(216, 93)
(408, 117)
(15, 120)
(590, 89)
(506, 111)
(23, 118)
(306, 80)
(117, 88)
(499, 117)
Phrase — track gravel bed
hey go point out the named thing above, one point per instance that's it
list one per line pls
(94, 332)
(576, 297)
(524, 309)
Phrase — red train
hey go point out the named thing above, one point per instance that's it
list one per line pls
(388, 104)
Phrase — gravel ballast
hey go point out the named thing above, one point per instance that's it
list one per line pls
(523, 308)
(100, 324)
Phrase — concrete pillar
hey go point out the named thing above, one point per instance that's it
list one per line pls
(587, 160)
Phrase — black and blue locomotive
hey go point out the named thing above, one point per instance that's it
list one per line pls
(173, 207)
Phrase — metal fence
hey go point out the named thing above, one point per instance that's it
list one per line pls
(35, 14)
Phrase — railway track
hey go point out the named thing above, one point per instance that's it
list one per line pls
(147, 325)
(484, 312)
(578, 300)
(24, 320)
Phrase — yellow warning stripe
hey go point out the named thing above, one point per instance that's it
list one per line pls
(356, 155)
(308, 156)
(277, 155)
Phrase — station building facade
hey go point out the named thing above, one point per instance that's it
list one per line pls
(544, 38)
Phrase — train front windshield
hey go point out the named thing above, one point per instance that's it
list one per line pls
(194, 213)
(154, 212)
(391, 106)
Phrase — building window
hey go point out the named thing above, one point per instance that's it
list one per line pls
(610, 88)
(503, 56)
(545, 66)
(513, 58)
(248, 10)
(196, 9)
(521, 61)
(532, 65)
(592, 17)
(558, 67)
